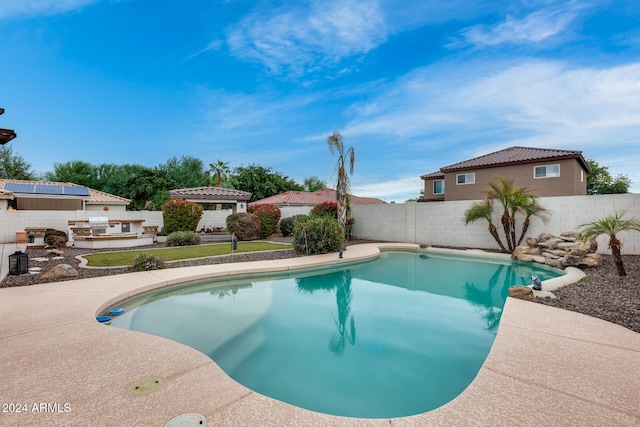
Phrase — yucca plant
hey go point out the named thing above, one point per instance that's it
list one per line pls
(611, 226)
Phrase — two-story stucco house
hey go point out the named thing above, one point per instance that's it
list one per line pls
(547, 172)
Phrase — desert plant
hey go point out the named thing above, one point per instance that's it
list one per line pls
(611, 226)
(269, 216)
(183, 238)
(146, 262)
(318, 235)
(180, 215)
(246, 226)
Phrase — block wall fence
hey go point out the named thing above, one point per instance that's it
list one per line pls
(442, 224)
(435, 223)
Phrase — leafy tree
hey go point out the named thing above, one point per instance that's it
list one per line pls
(219, 172)
(261, 182)
(14, 166)
(75, 171)
(600, 181)
(611, 226)
(186, 172)
(115, 179)
(336, 144)
(514, 200)
(313, 183)
(145, 186)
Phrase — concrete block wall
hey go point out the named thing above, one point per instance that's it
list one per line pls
(441, 223)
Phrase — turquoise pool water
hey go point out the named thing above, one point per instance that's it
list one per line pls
(397, 336)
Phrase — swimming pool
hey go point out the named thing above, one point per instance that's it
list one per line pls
(397, 336)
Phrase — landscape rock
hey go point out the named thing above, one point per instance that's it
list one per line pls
(568, 249)
(521, 292)
(60, 271)
(55, 252)
(591, 260)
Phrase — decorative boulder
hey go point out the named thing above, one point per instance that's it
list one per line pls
(520, 250)
(591, 260)
(60, 271)
(55, 252)
(521, 292)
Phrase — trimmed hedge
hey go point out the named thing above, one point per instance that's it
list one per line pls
(55, 238)
(246, 226)
(183, 238)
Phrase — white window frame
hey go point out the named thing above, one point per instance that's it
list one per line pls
(469, 178)
(546, 173)
(434, 186)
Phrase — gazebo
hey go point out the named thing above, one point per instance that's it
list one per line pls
(214, 195)
(6, 135)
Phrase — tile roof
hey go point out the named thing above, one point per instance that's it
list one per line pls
(95, 196)
(211, 193)
(517, 155)
(433, 175)
(305, 198)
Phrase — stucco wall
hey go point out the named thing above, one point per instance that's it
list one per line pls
(441, 223)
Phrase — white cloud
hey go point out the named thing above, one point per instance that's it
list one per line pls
(533, 28)
(40, 7)
(298, 40)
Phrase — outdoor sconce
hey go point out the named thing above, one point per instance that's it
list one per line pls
(18, 263)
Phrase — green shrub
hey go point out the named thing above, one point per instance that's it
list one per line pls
(287, 225)
(146, 262)
(246, 226)
(180, 215)
(325, 208)
(322, 234)
(55, 238)
(269, 216)
(183, 238)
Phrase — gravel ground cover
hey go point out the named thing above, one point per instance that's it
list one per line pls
(601, 294)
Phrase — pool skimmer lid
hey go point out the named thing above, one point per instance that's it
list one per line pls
(146, 385)
(187, 420)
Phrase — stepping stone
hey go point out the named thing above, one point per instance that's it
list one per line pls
(40, 259)
(58, 257)
(35, 269)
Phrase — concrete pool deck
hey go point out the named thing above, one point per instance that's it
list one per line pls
(60, 367)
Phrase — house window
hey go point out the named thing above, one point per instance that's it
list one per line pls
(547, 171)
(438, 186)
(466, 178)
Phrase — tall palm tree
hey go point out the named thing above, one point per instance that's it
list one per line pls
(219, 171)
(342, 187)
(611, 226)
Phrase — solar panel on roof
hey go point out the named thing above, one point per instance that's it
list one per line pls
(19, 187)
(49, 189)
(76, 191)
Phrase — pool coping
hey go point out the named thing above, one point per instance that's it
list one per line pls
(547, 365)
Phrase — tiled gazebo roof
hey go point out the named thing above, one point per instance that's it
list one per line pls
(210, 193)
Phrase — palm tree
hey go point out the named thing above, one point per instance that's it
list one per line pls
(219, 171)
(611, 226)
(514, 200)
(342, 187)
(484, 210)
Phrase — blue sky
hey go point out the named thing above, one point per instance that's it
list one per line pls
(412, 86)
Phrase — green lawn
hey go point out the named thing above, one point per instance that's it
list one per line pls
(120, 259)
